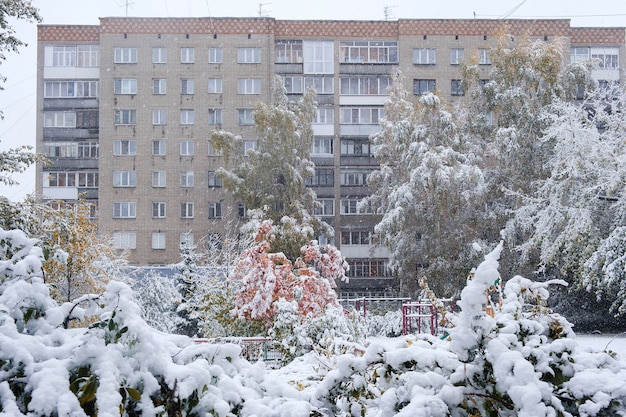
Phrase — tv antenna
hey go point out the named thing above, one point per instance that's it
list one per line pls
(126, 4)
(388, 10)
(261, 11)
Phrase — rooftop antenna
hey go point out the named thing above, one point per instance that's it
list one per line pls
(126, 4)
(388, 10)
(263, 13)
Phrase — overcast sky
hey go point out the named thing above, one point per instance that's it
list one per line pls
(17, 102)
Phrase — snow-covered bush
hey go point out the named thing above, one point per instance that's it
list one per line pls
(333, 333)
(523, 362)
(387, 325)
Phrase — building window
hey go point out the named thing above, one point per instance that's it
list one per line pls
(288, 52)
(159, 116)
(159, 179)
(423, 86)
(88, 179)
(215, 85)
(214, 210)
(212, 151)
(158, 147)
(355, 147)
(214, 180)
(248, 55)
(64, 56)
(325, 207)
(159, 55)
(385, 52)
(322, 146)
(350, 206)
(424, 56)
(158, 210)
(186, 86)
(355, 237)
(124, 178)
(319, 57)
(158, 240)
(187, 147)
(354, 177)
(59, 119)
(125, 117)
(580, 54)
(605, 58)
(364, 85)
(125, 240)
(159, 86)
(87, 119)
(125, 86)
(216, 56)
(294, 84)
(483, 56)
(88, 56)
(186, 239)
(60, 179)
(324, 116)
(248, 86)
(125, 210)
(186, 55)
(186, 116)
(215, 116)
(242, 211)
(125, 56)
(456, 55)
(367, 268)
(245, 117)
(361, 115)
(61, 149)
(249, 145)
(124, 147)
(88, 149)
(456, 88)
(186, 210)
(71, 89)
(322, 85)
(186, 179)
(324, 177)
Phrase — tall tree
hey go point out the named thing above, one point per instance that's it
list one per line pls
(272, 177)
(428, 190)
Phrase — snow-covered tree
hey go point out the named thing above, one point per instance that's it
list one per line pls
(272, 177)
(574, 217)
(263, 278)
(428, 190)
(189, 283)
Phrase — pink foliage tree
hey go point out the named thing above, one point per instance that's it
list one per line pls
(266, 277)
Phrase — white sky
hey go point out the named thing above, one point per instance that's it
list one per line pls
(17, 102)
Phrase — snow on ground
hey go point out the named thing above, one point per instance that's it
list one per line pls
(614, 342)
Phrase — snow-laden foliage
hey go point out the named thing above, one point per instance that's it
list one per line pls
(427, 189)
(263, 278)
(574, 216)
(158, 298)
(330, 333)
(272, 178)
(523, 362)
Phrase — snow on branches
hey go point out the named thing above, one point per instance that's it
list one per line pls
(265, 278)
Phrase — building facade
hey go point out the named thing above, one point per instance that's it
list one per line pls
(125, 109)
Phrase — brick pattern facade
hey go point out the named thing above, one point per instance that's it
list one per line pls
(332, 28)
(66, 33)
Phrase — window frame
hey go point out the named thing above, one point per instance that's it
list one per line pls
(248, 55)
(187, 147)
(124, 179)
(187, 210)
(187, 179)
(216, 55)
(125, 147)
(214, 210)
(159, 55)
(125, 210)
(125, 55)
(187, 55)
(159, 179)
(159, 240)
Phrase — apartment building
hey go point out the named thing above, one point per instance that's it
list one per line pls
(125, 109)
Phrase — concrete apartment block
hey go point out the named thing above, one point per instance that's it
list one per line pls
(125, 109)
